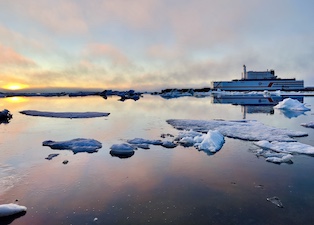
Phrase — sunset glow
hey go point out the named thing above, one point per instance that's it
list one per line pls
(152, 44)
(15, 86)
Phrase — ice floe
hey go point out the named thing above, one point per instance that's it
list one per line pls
(51, 156)
(275, 200)
(5, 116)
(242, 129)
(122, 150)
(70, 115)
(210, 142)
(291, 104)
(286, 147)
(310, 124)
(137, 141)
(275, 157)
(76, 145)
(11, 209)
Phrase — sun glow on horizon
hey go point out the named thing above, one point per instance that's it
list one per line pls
(15, 86)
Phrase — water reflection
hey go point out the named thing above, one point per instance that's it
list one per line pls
(179, 185)
(257, 103)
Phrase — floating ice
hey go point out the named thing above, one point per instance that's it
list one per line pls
(174, 93)
(51, 156)
(11, 209)
(286, 147)
(137, 141)
(274, 157)
(275, 200)
(291, 104)
(122, 150)
(284, 159)
(168, 144)
(209, 143)
(242, 129)
(5, 116)
(70, 115)
(75, 145)
(310, 124)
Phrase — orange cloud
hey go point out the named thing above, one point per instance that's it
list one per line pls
(8, 57)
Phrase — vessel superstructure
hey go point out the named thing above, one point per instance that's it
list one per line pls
(259, 81)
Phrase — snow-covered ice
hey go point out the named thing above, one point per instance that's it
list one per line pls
(210, 142)
(70, 115)
(310, 124)
(137, 141)
(284, 159)
(274, 157)
(241, 129)
(291, 104)
(11, 209)
(286, 147)
(76, 145)
(168, 144)
(122, 150)
(144, 143)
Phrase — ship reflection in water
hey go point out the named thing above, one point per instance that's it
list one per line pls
(257, 103)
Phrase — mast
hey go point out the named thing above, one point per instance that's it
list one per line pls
(244, 72)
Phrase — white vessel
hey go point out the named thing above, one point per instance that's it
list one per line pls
(259, 81)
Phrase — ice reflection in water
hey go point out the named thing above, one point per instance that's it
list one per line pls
(178, 186)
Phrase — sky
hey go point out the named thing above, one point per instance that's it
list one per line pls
(151, 44)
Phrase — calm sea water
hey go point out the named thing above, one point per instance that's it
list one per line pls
(155, 186)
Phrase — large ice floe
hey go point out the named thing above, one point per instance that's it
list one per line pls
(291, 104)
(276, 145)
(11, 209)
(76, 145)
(70, 115)
(250, 130)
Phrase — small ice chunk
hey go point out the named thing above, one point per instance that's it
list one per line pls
(51, 156)
(76, 145)
(187, 141)
(122, 150)
(310, 124)
(275, 200)
(5, 116)
(137, 141)
(284, 159)
(11, 209)
(212, 142)
(69, 115)
(168, 144)
(291, 104)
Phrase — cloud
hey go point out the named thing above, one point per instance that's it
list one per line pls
(59, 17)
(8, 57)
(105, 51)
